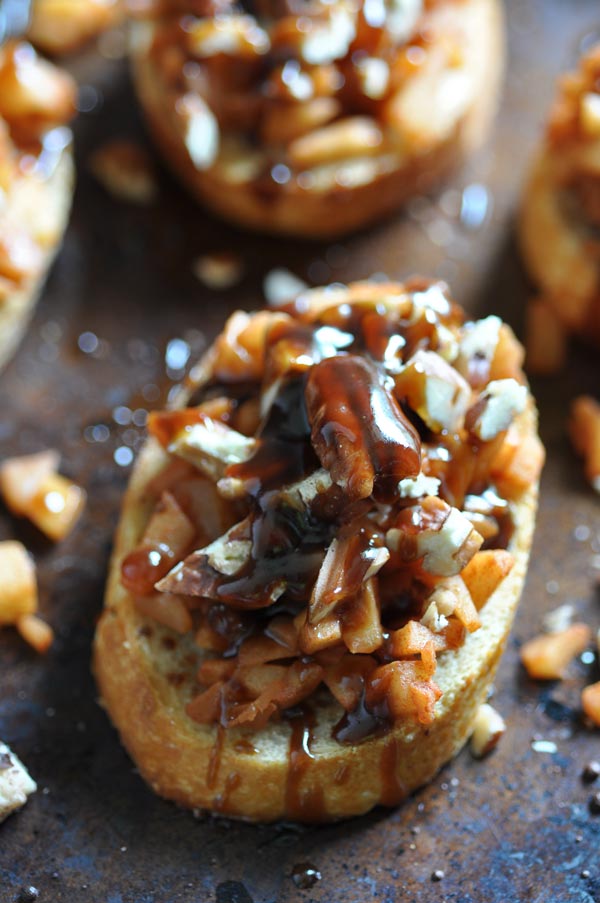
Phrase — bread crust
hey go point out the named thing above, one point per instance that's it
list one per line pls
(52, 195)
(265, 775)
(338, 210)
(556, 249)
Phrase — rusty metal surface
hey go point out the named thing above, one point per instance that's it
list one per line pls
(514, 827)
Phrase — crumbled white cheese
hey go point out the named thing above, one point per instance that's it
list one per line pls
(448, 346)
(280, 286)
(440, 548)
(415, 488)
(227, 35)
(402, 17)
(15, 783)
(504, 399)
(231, 488)
(375, 77)
(559, 619)
(302, 493)
(447, 394)
(480, 339)
(202, 131)
(210, 445)
(228, 556)
(329, 40)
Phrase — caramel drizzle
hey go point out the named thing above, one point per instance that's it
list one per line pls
(302, 801)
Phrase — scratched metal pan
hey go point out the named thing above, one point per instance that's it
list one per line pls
(513, 827)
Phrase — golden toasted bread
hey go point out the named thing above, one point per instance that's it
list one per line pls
(295, 763)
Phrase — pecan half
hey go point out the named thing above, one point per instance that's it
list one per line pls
(358, 430)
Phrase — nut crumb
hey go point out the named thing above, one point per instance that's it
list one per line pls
(488, 728)
(280, 285)
(558, 619)
(126, 171)
(218, 271)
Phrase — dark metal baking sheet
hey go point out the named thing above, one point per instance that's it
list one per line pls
(514, 827)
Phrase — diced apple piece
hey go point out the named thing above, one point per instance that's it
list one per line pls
(18, 586)
(57, 506)
(361, 622)
(406, 687)
(484, 573)
(20, 478)
(546, 656)
(32, 488)
(590, 702)
(36, 632)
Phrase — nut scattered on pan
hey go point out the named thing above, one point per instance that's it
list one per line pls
(488, 728)
(218, 271)
(16, 785)
(126, 170)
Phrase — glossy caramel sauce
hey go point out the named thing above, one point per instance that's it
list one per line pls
(214, 762)
(302, 800)
(392, 789)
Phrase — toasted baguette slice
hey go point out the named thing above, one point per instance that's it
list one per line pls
(39, 207)
(429, 127)
(558, 237)
(291, 768)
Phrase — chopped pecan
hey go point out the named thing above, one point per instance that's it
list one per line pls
(358, 430)
(352, 558)
(442, 536)
(435, 390)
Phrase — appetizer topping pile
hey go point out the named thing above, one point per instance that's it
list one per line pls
(36, 101)
(574, 129)
(570, 298)
(283, 93)
(336, 504)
